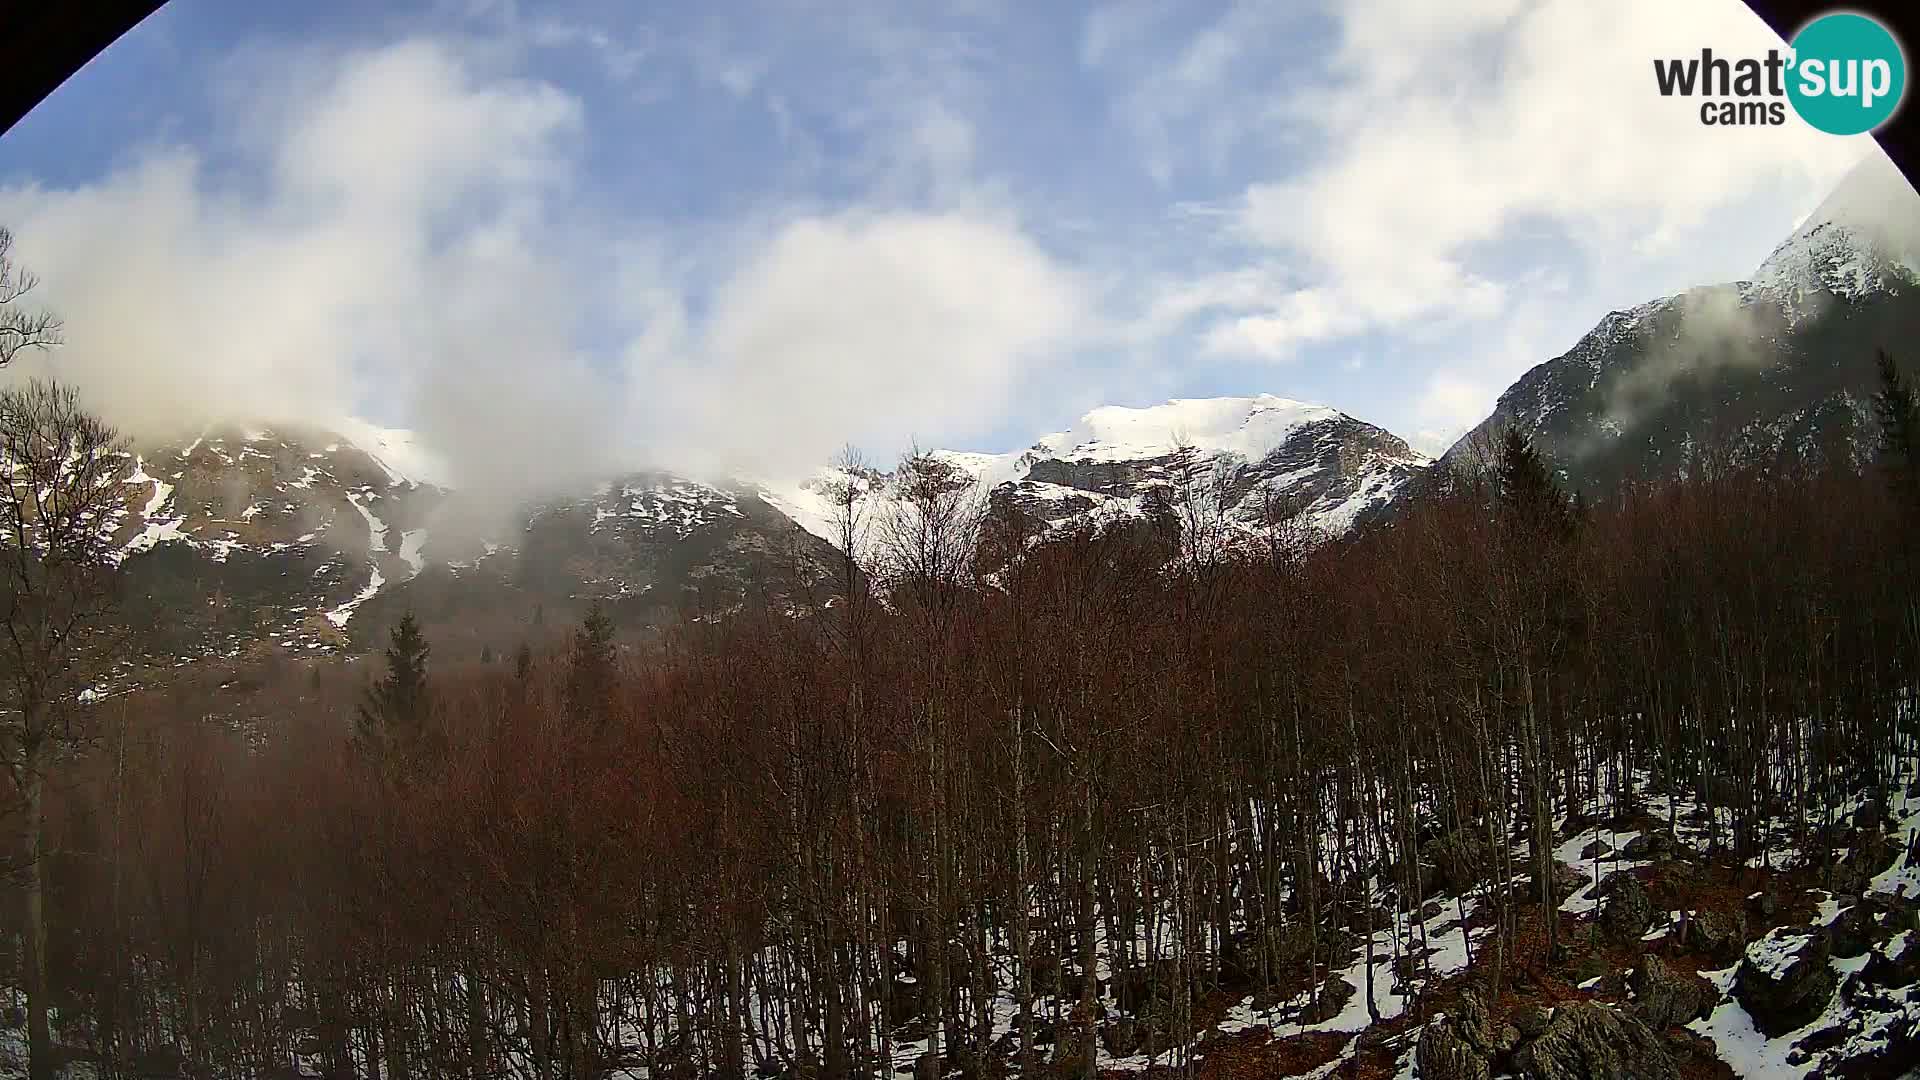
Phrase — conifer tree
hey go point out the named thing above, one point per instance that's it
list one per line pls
(1528, 496)
(590, 664)
(393, 718)
(1897, 411)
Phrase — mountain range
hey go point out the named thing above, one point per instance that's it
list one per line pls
(315, 538)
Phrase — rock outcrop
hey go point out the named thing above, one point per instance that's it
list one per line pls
(1785, 979)
(1664, 997)
(1588, 1041)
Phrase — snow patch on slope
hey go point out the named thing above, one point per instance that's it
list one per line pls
(806, 504)
(339, 616)
(158, 530)
(411, 542)
(376, 529)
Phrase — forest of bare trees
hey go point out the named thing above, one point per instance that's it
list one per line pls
(1004, 801)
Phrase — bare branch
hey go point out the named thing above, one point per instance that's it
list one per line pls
(21, 328)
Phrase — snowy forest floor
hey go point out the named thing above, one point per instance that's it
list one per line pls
(1830, 959)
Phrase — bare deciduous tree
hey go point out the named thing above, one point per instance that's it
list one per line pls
(63, 472)
(21, 328)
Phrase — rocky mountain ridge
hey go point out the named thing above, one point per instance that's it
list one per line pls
(1773, 369)
(302, 535)
(1248, 458)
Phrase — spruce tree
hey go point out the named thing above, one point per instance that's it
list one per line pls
(1528, 497)
(1896, 408)
(523, 662)
(393, 719)
(590, 664)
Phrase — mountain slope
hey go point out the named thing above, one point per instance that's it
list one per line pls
(1772, 369)
(1241, 454)
(316, 539)
(308, 537)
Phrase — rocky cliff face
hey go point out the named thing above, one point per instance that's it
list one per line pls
(1772, 369)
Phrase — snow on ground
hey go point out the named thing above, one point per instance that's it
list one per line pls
(157, 530)
(680, 505)
(411, 542)
(1446, 942)
(162, 490)
(1595, 869)
(805, 506)
(1338, 517)
(1903, 877)
(376, 529)
(810, 505)
(339, 616)
(1747, 1051)
(1778, 951)
(1751, 1053)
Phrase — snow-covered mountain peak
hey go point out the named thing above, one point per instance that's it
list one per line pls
(1863, 238)
(1776, 368)
(1249, 427)
(1250, 452)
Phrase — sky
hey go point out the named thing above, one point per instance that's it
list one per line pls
(560, 237)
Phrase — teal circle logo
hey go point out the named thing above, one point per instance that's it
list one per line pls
(1848, 74)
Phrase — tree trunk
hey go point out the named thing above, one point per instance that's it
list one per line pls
(478, 1064)
(40, 1064)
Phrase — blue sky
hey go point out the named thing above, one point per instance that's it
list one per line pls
(740, 234)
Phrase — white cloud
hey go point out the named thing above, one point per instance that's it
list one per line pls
(410, 238)
(1299, 317)
(1189, 110)
(396, 244)
(1439, 148)
(870, 328)
(1445, 134)
(1448, 406)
